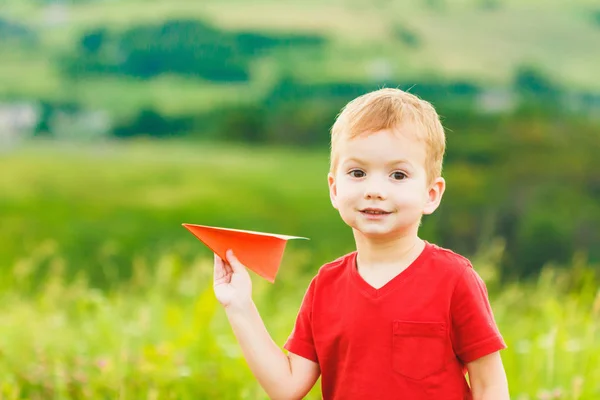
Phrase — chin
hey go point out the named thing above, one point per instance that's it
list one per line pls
(378, 231)
(375, 231)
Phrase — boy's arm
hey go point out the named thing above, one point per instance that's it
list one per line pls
(487, 378)
(280, 375)
(476, 339)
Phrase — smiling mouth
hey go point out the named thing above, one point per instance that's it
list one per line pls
(373, 211)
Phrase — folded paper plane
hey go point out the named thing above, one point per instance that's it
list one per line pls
(260, 252)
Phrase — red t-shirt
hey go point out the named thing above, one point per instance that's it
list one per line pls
(409, 339)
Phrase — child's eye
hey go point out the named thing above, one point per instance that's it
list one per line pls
(399, 175)
(356, 173)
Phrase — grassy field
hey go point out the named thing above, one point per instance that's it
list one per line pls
(104, 295)
(109, 203)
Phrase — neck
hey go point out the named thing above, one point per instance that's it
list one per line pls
(382, 252)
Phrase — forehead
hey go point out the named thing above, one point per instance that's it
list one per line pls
(384, 146)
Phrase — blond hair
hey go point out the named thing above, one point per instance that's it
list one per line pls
(389, 109)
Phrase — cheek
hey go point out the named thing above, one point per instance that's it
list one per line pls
(347, 192)
(415, 196)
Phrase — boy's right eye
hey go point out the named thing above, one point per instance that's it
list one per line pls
(356, 173)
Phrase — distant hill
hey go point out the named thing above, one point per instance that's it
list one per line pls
(481, 41)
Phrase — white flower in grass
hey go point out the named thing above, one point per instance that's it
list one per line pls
(184, 371)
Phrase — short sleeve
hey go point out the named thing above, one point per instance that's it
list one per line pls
(474, 330)
(301, 341)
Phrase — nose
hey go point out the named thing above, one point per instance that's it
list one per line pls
(375, 189)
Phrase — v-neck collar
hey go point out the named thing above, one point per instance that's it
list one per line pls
(393, 283)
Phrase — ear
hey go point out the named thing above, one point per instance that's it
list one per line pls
(434, 195)
(332, 189)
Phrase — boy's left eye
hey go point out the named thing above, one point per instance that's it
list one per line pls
(356, 173)
(399, 175)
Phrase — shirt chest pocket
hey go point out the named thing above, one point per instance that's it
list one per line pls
(419, 349)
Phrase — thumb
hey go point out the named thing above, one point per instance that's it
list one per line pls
(236, 265)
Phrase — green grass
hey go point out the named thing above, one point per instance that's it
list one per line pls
(163, 335)
(104, 295)
(132, 199)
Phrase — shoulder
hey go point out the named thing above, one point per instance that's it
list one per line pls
(448, 265)
(459, 273)
(334, 271)
(449, 257)
(338, 264)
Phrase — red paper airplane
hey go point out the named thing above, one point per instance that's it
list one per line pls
(260, 252)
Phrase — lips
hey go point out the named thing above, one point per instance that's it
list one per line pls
(374, 211)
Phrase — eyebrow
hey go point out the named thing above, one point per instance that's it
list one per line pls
(359, 161)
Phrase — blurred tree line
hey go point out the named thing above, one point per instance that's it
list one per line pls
(185, 47)
(528, 173)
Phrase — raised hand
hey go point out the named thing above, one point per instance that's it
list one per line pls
(232, 283)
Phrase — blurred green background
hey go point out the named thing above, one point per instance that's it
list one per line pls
(120, 120)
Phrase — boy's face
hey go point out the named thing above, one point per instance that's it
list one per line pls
(380, 186)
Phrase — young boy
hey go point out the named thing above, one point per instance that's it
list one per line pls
(399, 318)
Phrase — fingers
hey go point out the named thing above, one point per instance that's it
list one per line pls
(224, 269)
(219, 268)
(228, 269)
(235, 264)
